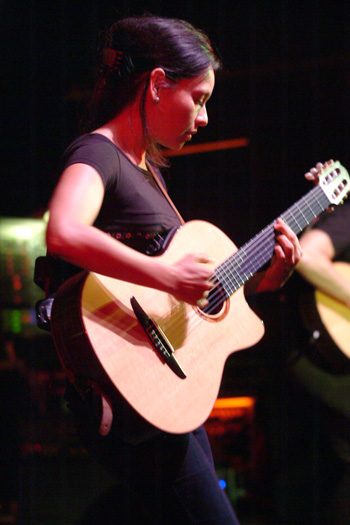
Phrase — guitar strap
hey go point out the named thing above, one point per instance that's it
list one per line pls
(163, 190)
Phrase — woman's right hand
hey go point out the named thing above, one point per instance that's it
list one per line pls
(191, 282)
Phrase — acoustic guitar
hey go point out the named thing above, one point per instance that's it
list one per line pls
(335, 316)
(163, 356)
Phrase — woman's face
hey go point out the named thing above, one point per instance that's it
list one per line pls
(181, 110)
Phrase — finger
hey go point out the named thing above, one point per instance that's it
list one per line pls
(202, 303)
(283, 258)
(292, 251)
(288, 238)
(287, 242)
(203, 258)
(280, 255)
(206, 269)
(282, 228)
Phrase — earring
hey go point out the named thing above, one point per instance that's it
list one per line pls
(156, 100)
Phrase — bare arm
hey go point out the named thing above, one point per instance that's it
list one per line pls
(72, 236)
(316, 266)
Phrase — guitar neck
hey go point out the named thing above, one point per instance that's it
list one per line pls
(252, 256)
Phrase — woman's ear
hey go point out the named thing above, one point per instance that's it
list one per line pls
(157, 81)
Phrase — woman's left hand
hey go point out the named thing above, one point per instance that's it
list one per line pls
(287, 254)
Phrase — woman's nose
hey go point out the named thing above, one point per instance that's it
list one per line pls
(202, 118)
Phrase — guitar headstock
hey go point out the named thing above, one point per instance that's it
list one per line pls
(335, 181)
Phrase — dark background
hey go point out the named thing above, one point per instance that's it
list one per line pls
(285, 87)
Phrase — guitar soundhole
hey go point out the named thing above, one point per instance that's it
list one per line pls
(218, 304)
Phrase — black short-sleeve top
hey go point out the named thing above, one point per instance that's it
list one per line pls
(134, 208)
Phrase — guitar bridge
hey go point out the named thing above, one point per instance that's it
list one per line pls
(158, 339)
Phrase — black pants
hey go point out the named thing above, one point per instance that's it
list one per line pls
(163, 480)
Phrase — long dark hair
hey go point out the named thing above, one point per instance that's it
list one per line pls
(130, 50)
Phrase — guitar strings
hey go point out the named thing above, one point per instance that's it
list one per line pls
(260, 249)
(252, 248)
(227, 273)
(238, 269)
(228, 276)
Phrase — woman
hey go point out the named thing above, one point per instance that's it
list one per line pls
(155, 78)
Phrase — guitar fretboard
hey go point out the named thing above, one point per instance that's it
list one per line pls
(251, 257)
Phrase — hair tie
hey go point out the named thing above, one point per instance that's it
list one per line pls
(112, 58)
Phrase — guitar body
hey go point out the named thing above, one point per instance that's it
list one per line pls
(327, 322)
(335, 316)
(99, 338)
